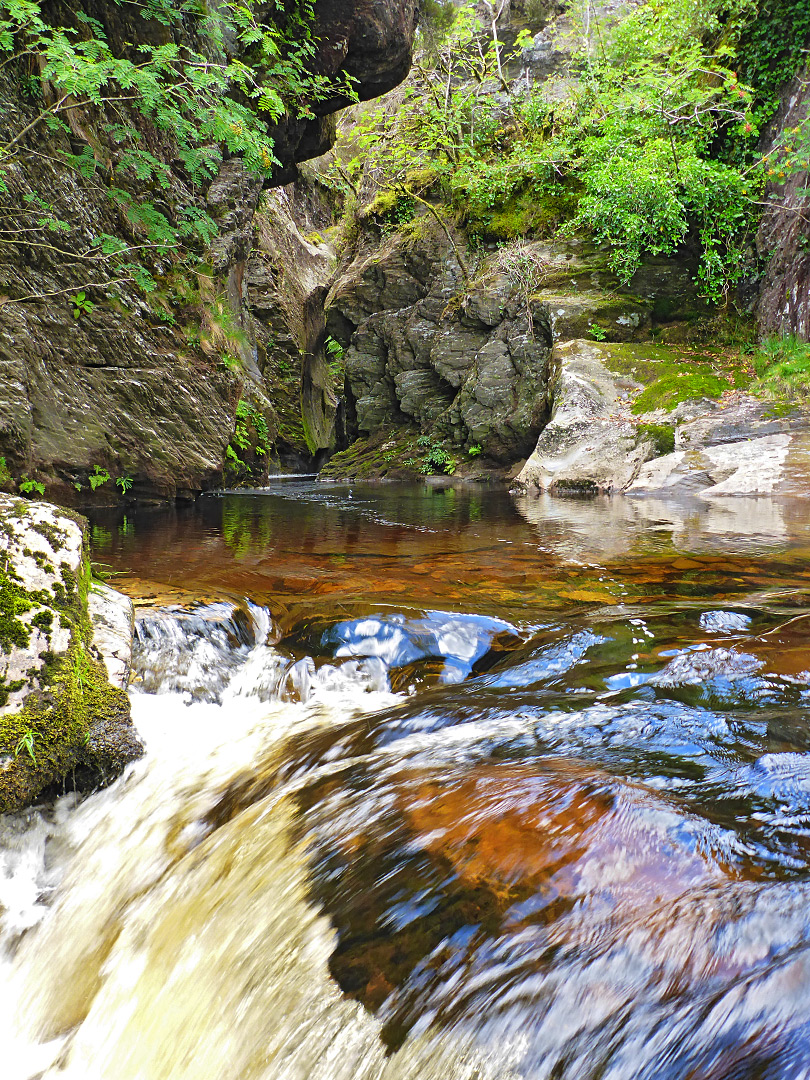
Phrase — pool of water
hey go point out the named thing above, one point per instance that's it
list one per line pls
(440, 783)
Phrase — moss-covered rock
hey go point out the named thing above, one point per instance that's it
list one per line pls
(59, 714)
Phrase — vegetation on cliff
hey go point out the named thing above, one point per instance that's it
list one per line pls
(196, 85)
(648, 140)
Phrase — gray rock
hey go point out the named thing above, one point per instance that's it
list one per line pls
(765, 465)
(463, 362)
(112, 616)
(591, 441)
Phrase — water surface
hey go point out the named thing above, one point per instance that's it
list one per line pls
(440, 784)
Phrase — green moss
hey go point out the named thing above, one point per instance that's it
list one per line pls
(670, 375)
(677, 386)
(393, 454)
(392, 208)
(662, 437)
(43, 621)
(54, 535)
(70, 692)
(525, 214)
(8, 688)
(15, 600)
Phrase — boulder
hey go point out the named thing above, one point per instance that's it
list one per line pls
(646, 418)
(60, 714)
(591, 442)
(742, 449)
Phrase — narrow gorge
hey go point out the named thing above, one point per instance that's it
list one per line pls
(404, 580)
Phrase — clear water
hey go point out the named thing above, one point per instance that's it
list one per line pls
(439, 784)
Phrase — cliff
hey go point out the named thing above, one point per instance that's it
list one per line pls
(783, 240)
(128, 358)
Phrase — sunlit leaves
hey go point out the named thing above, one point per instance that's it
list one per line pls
(254, 69)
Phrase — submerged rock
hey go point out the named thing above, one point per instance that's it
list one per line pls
(59, 713)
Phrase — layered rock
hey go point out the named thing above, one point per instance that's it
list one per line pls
(60, 711)
(647, 419)
(466, 362)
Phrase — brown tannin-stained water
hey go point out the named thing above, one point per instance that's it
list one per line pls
(441, 785)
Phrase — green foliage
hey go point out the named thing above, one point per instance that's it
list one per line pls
(28, 487)
(98, 477)
(5, 475)
(772, 47)
(438, 14)
(249, 443)
(437, 460)
(251, 431)
(662, 437)
(474, 450)
(171, 113)
(653, 145)
(124, 483)
(336, 359)
(26, 743)
(81, 305)
(782, 364)
(598, 333)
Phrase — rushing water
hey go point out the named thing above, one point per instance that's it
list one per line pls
(439, 785)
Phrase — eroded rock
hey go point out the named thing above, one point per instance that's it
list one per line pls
(651, 419)
(592, 441)
(463, 361)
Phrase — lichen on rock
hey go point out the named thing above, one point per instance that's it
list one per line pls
(59, 713)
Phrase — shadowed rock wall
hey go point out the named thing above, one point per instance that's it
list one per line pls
(784, 235)
(126, 386)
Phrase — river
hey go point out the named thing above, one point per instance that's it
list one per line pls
(440, 783)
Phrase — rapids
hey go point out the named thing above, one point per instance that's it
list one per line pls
(437, 785)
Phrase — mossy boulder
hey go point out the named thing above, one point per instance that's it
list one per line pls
(59, 713)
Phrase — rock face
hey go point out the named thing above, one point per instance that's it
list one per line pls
(472, 361)
(591, 442)
(123, 383)
(59, 713)
(738, 451)
(645, 420)
(464, 362)
(784, 302)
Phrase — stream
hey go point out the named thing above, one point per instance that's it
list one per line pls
(440, 783)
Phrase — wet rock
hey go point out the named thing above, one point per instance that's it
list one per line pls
(645, 419)
(127, 386)
(724, 622)
(776, 464)
(113, 619)
(59, 714)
